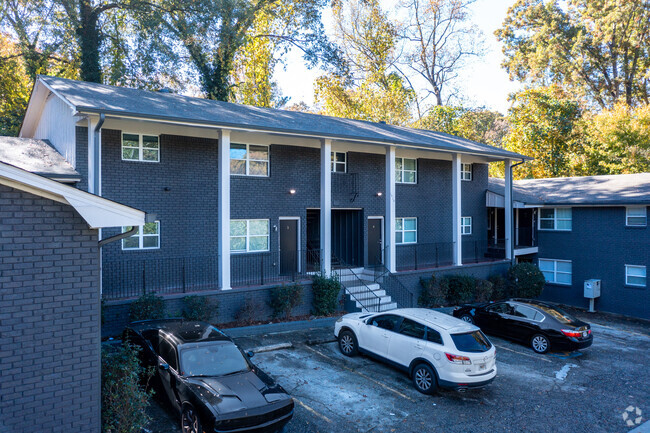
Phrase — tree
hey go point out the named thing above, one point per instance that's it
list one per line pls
(476, 124)
(14, 87)
(598, 48)
(439, 40)
(544, 124)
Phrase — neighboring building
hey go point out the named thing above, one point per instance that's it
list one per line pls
(248, 197)
(50, 378)
(581, 228)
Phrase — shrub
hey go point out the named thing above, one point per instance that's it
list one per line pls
(199, 308)
(434, 292)
(500, 289)
(147, 306)
(483, 291)
(461, 288)
(285, 298)
(326, 293)
(525, 280)
(124, 398)
(249, 312)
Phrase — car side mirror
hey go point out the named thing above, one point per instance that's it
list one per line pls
(250, 353)
(163, 366)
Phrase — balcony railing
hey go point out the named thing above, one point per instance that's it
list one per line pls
(440, 254)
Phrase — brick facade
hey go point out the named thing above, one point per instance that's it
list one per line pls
(49, 317)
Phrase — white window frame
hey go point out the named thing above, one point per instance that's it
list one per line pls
(140, 236)
(637, 267)
(140, 148)
(465, 172)
(628, 216)
(248, 236)
(402, 171)
(555, 219)
(555, 271)
(463, 226)
(335, 162)
(248, 160)
(406, 231)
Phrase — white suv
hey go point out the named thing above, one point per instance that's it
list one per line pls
(434, 348)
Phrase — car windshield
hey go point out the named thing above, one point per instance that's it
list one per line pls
(471, 342)
(217, 358)
(558, 314)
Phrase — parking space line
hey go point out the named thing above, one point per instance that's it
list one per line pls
(522, 353)
(309, 409)
(383, 385)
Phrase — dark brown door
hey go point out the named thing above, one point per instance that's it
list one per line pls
(374, 241)
(288, 247)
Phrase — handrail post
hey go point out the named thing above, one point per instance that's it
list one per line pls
(415, 249)
(144, 277)
(262, 269)
(183, 275)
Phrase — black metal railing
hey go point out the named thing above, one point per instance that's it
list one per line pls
(525, 237)
(366, 297)
(253, 269)
(391, 284)
(424, 256)
(345, 188)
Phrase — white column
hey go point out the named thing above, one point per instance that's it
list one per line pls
(326, 206)
(223, 209)
(389, 240)
(456, 211)
(507, 208)
(92, 122)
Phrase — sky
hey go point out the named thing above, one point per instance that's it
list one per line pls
(484, 82)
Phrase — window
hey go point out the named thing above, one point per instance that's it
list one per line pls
(249, 159)
(636, 216)
(388, 322)
(168, 353)
(406, 230)
(247, 236)
(635, 275)
(528, 313)
(146, 238)
(555, 219)
(138, 147)
(406, 170)
(434, 336)
(466, 225)
(466, 172)
(412, 329)
(339, 161)
(556, 271)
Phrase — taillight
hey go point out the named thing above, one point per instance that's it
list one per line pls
(457, 359)
(572, 333)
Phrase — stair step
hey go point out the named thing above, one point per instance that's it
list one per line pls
(360, 286)
(361, 296)
(377, 309)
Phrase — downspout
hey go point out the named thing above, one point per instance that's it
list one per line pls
(118, 237)
(512, 226)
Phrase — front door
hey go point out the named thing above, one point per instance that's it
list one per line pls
(288, 246)
(375, 235)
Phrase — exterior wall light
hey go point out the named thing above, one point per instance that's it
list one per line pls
(292, 191)
(379, 194)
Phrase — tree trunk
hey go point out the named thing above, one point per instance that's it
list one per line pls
(89, 41)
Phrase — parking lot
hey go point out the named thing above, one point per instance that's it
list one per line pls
(586, 391)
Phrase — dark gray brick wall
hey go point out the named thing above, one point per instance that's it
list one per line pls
(81, 156)
(599, 246)
(49, 317)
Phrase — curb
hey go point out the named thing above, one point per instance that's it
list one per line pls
(272, 347)
(272, 328)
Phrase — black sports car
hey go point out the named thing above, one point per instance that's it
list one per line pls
(542, 325)
(208, 379)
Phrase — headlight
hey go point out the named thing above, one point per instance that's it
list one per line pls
(339, 320)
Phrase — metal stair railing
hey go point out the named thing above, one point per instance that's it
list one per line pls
(352, 277)
(393, 287)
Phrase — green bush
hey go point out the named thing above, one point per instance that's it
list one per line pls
(284, 299)
(483, 291)
(434, 292)
(461, 288)
(525, 280)
(199, 308)
(249, 312)
(326, 294)
(124, 398)
(147, 306)
(500, 289)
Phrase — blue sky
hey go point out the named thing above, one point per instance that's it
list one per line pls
(484, 82)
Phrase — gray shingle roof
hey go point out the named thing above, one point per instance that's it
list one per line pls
(36, 156)
(621, 189)
(111, 100)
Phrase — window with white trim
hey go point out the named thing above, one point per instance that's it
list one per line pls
(465, 171)
(466, 225)
(558, 218)
(636, 216)
(339, 162)
(406, 170)
(635, 275)
(249, 236)
(556, 271)
(406, 230)
(146, 238)
(249, 159)
(139, 147)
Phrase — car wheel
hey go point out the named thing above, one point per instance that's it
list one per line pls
(190, 422)
(424, 379)
(467, 318)
(348, 343)
(540, 343)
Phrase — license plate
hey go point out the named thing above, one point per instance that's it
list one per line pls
(584, 333)
(481, 367)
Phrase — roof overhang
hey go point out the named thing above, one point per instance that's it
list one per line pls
(98, 212)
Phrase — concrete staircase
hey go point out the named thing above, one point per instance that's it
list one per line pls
(363, 291)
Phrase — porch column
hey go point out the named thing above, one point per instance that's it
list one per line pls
(456, 211)
(326, 206)
(223, 209)
(390, 257)
(507, 208)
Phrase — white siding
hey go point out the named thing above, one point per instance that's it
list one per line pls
(57, 124)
